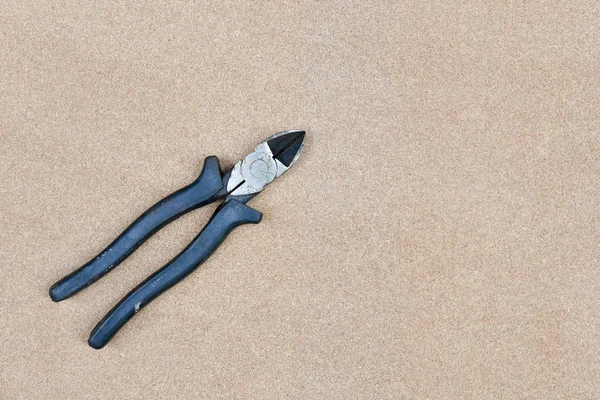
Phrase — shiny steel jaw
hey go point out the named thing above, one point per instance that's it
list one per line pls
(269, 160)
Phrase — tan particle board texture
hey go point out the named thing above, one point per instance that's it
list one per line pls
(437, 239)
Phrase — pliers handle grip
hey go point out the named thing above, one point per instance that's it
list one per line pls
(204, 190)
(226, 218)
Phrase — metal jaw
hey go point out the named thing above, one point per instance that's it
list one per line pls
(269, 160)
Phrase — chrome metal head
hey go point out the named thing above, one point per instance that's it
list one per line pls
(269, 160)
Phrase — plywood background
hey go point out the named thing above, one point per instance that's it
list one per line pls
(438, 238)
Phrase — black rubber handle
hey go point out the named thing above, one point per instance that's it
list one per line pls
(227, 217)
(202, 191)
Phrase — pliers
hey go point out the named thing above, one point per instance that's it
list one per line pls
(237, 186)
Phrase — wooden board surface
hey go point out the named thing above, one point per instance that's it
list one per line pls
(437, 239)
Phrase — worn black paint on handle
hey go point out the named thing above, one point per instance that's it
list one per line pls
(227, 217)
(202, 191)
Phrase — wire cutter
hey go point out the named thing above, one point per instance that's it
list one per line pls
(237, 186)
